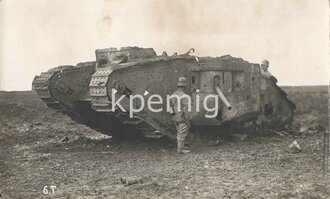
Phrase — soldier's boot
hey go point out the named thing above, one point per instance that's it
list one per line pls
(181, 147)
(185, 151)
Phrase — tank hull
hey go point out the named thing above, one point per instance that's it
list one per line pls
(85, 92)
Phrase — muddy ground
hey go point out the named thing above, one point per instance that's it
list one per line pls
(41, 147)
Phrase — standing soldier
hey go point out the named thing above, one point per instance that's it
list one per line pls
(179, 111)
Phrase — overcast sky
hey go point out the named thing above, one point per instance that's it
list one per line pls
(36, 35)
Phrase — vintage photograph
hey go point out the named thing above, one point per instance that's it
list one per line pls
(164, 99)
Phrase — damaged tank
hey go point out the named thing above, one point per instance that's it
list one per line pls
(84, 92)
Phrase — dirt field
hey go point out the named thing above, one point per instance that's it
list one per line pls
(40, 147)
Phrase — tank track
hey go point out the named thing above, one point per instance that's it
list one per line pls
(99, 96)
(101, 103)
(40, 86)
(98, 90)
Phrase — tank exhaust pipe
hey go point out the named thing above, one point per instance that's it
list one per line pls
(223, 97)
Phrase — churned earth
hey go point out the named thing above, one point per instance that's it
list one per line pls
(40, 148)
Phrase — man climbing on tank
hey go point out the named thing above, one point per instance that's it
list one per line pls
(264, 69)
(266, 108)
(265, 75)
(180, 114)
(265, 72)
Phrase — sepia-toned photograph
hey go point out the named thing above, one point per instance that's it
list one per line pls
(164, 99)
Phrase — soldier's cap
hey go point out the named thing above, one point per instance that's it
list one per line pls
(182, 81)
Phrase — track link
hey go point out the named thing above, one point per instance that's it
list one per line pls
(98, 90)
(101, 103)
(40, 86)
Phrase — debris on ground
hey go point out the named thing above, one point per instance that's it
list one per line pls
(131, 180)
(213, 142)
(66, 139)
(295, 147)
(239, 137)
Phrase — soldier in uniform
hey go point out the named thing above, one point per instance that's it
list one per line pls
(265, 74)
(264, 69)
(265, 80)
(264, 93)
(180, 114)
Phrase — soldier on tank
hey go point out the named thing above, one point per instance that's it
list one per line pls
(264, 93)
(264, 84)
(264, 69)
(265, 74)
(180, 114)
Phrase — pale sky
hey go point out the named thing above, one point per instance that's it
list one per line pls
(36, 35)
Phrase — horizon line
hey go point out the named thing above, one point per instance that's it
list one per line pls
(278, 85)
